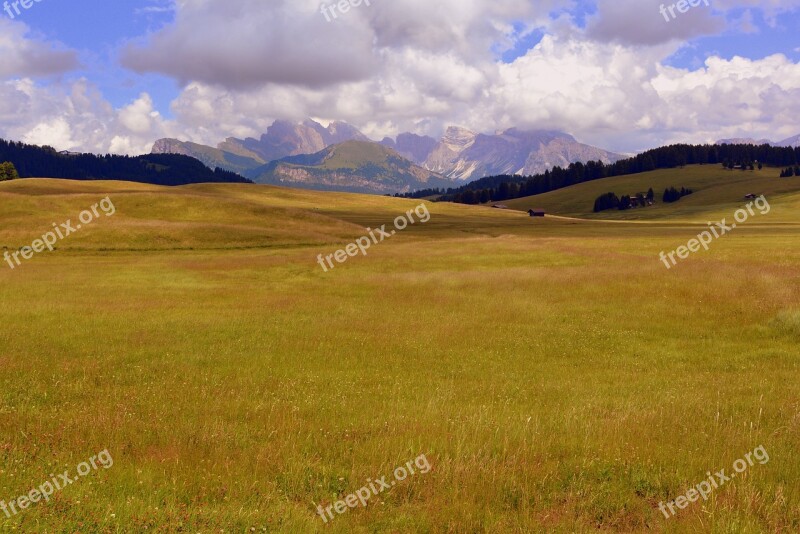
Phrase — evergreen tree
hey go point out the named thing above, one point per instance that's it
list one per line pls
(608, 201)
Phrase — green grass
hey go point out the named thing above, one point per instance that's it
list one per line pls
(556, 375)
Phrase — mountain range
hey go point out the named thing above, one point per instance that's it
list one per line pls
(792, 142)
(465, 155)
(461, 155)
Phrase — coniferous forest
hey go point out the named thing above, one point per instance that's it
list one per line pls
(158, 169)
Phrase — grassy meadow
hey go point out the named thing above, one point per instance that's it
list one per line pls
(556, 375)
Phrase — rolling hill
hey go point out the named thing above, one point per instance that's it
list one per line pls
(717, 191)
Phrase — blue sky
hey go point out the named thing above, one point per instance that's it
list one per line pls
(153, 68)
(97, 30)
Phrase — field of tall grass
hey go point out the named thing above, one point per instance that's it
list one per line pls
(555, 375)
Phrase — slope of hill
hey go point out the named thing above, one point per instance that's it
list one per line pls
(353, 166)
(238, 161)
(161, 169)
(717, 193)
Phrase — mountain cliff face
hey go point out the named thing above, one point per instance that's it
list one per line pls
(284, 139)
(413, 147)
(352, 166)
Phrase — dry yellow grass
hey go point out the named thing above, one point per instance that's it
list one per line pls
(556, 375)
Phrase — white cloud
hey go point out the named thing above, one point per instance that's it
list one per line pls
(76, 117)
(21, 55)
(612, 95)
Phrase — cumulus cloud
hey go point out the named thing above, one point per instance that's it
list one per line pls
(641, 22)
(606, 93)
(420, 66)
(76, 117)
(22, 55)
(243, 44)
(240, 44)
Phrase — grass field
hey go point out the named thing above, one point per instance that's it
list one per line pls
(556, 376)
(717, 192)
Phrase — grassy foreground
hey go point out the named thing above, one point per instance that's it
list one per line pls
(556, 376)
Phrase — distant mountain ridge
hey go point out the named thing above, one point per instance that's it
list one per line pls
(791, 142)
(460, 155)
(465, 155)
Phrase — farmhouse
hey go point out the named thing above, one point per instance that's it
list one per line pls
(536, 212)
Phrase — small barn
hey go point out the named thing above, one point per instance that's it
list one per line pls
(536, 212)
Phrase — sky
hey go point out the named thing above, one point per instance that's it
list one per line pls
(624, 75)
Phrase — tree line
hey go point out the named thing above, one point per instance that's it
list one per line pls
(610, 201)
(505, 187)
(159, 169)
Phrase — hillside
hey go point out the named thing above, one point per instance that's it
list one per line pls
(238, 162)
(353, 166)
(716, 191)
